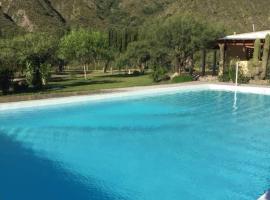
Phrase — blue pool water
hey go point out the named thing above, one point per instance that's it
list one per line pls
(191, 145)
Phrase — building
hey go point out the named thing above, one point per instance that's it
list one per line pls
(240, 47)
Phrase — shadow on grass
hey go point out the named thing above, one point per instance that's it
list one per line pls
(121, 76)
(58, 86)
(90, 82)
(61, 79)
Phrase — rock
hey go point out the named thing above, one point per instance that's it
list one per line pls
(174, 75)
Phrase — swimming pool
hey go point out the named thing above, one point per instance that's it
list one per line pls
(188, 145)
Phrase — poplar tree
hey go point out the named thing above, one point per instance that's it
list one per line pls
(265, 57)
(257, 52)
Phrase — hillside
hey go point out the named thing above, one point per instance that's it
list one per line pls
(7, 26)
(34, 15)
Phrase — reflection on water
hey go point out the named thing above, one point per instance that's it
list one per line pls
(235, 102)
(23, 175)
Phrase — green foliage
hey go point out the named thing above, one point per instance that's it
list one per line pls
(36, 50)
(159, 74)
(257, 51)
(6, 80)
(138, 54)
(45, 72)
(53, 15)
(230, 74)
(122, 61)
(37, 77)
(182, 79)
(265, 58)
(180, 36)
(83, 45)
(120, 38)
(29, 73)
(8, 65)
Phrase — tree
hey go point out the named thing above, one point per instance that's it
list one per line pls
(138, 53)
(8, 64)
(35, 54)
(257, 52)
(174, 40)
(265, 58)
(184, 35)
(84, 46)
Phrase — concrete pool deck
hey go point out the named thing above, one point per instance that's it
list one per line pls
(122, 93)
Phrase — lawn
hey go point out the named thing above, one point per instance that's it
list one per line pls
(73, 83)
(97, 81)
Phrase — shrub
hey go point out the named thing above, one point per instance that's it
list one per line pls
(136, 73)
(160, 74)
(29, 73)
(225, 77)
(230, 76)
(182, 79)
(257, 51)
(20, 86)
(37, 76)
(45, 73)
(6, 79)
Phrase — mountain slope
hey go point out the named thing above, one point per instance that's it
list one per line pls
(7, 25)
(33, 15)
(236, 15)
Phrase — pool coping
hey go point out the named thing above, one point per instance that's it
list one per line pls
(122, 93)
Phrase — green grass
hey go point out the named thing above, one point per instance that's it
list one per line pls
(71, 83)
(182, 79)
(99, 81)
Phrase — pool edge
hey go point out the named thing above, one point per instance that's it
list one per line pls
(134, 91)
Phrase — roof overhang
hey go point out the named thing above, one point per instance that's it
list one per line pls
(246, 36)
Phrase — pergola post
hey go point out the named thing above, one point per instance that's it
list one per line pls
(203, 61)
(214, 67)
(222, 59)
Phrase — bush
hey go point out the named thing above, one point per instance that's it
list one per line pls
(230, 76)
(6, 79)
(136, 73)
(20, 86)
(29, 73)
(182, 79)
(37, 76)
(45, 73)
(160, 74)
(225, 77)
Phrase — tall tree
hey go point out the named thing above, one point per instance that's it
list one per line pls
(84, 46)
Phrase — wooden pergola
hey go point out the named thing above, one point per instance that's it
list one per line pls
(240, 46)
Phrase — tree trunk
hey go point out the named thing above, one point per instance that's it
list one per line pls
(191, 67)
(106, 67)
(214, 63)
(222, 59)
(84, 70)
(95, 65)
(142, 68)
(203, 61)
(178, 65)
